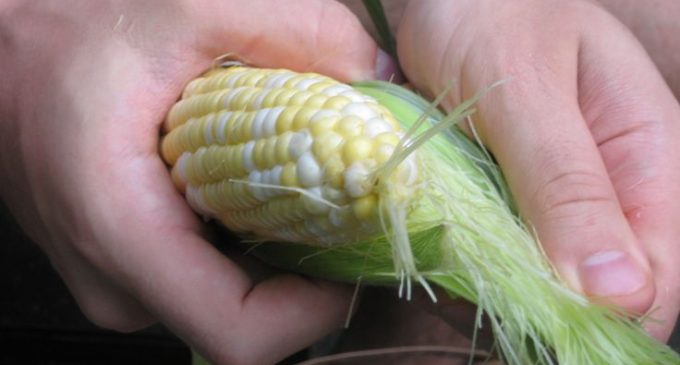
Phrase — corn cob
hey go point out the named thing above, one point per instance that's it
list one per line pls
(284, 136)
(327, 167)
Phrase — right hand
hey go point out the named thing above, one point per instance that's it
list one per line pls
(586, 132)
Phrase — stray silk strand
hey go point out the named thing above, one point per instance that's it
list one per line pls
(461, 234)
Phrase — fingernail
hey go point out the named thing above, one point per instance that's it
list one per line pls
(387, 69)
(611, 273)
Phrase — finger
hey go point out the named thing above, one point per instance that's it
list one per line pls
(191, 287)
(103, 302)
(563, 190)
(307, 35)
(534, 127)
(634, 120)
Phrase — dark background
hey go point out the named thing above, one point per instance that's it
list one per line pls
(40, 323)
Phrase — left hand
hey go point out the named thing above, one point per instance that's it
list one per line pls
(85, 87)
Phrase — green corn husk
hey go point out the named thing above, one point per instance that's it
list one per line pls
(464, 236)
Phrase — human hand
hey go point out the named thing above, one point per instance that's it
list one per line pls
(586, 131)
(656, 26)
(85, 88)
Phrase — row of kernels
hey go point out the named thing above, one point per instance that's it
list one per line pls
(264, 184)
(300, 219)
(197, 202)
(303, 216)
(289, 175)
(315, 101)
(349, 126)
(336, 89)
(385, 144)
(264, 122)
(242, 77)
(188, 137)
(179, 172)
(276, 79)
(238, 76)
(303, 233)
(210, 81)
(362, 110)
(286, 119)
(314, 201)
(266, 98)
(226, 195)
(282, 97)
(334, 195)
(194, 107)
(259, 155)
(322, 84)
(233, 128)
(218, 162)
(333, 169)
(278, 212)
(195, 133)
(288, 97)
(320, 227)
(238, 128)
(357, 149)
(323, 121)
(212, 163)
(294, 118)
(357, 178)
(302, 117)
(308, 170)
(172, 146)
(194, 87)
(221, 79)
(377, 126)
(283, 234)
(240, 99)
(336, 102)
(327, 145)
(245, 86)
(304, 81)
(365, 208)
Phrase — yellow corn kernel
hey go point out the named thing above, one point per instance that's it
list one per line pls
(282, 155)
(357, 149)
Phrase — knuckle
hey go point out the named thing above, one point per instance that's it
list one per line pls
(334, 25)
(339, 18)
(573, 193)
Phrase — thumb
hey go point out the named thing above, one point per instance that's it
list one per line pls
(536, 131)
(563, 189)
(303, 35)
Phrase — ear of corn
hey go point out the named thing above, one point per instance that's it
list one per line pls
(367, 183)
(283, 156)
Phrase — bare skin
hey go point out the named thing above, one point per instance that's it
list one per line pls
(586, 131)
(530, 51)
(85, 88)
(655, 24)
